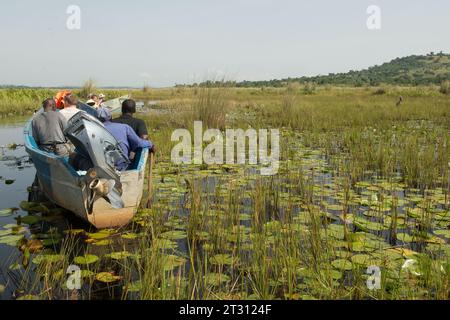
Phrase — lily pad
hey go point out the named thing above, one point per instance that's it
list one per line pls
(103, 242)
(444, 233)
(164, 244)
(47, 258)
(342, 264)
(11, 239)
(222, 259)
(174, 235)
(171, 262)
(87, 259)
(119, 255)
(6, 212)
(107, 277)
(130, 235)
(216, 279)
(29, 219)
(29, 297)
(405, 237)
(361, 259)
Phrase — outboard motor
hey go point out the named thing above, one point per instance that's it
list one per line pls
(94, 142)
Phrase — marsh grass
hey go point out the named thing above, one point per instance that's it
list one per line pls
(362, 183)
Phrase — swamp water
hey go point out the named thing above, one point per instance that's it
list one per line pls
(226, 232)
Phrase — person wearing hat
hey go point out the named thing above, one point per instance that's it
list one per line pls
(138, 125)
(90, 103)
(126, 137)
(101, 99)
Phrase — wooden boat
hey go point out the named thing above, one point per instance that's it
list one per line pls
(71, 189)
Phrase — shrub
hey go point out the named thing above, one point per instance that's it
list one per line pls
(445, 87)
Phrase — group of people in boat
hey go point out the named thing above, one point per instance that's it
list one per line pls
(49, 125)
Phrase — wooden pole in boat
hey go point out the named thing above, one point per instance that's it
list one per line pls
(150, 181)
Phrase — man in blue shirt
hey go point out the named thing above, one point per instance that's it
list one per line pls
(124, 134)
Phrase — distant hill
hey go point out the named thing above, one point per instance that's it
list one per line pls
(433, 68)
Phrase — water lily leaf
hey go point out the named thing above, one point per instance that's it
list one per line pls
(336, 275)
(119, 255)
(445, 233)
(28, 219)
(342, 264)
(107, 277)
(130, 235)
(87, 273)
(174, 235)
(103, 242)
(164, 244)
(6, 212)
(171, 262)
(98, 235)
(29, 297)
(9, 181)
(361, 259)
(47, 258)
(11, 240)
(74, 231)
(216, 279)
(87, 259)
(33, 207)
(5, 232)
(405, 237)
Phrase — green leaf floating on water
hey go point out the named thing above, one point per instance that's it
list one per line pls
(103, 242)
(29, 219)
(7, 212)
(342, 264)
(9, 181)
(119, 255)
(405, 237)
(164, 244)
(171, 262)
(216, 279)
(74, 231)
(445, 233)
(361, 259)
(174, 235)
(5, 232)
(107, 277)
(99, 235)
(87, 259)
(33, 207)
(29, 297)
(130, 235)
(11, 240)
(47, 258)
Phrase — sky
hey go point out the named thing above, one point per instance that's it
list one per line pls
(160, 43)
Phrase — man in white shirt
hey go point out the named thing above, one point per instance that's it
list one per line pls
(70, 107)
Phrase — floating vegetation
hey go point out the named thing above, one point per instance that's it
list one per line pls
(358, 186)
